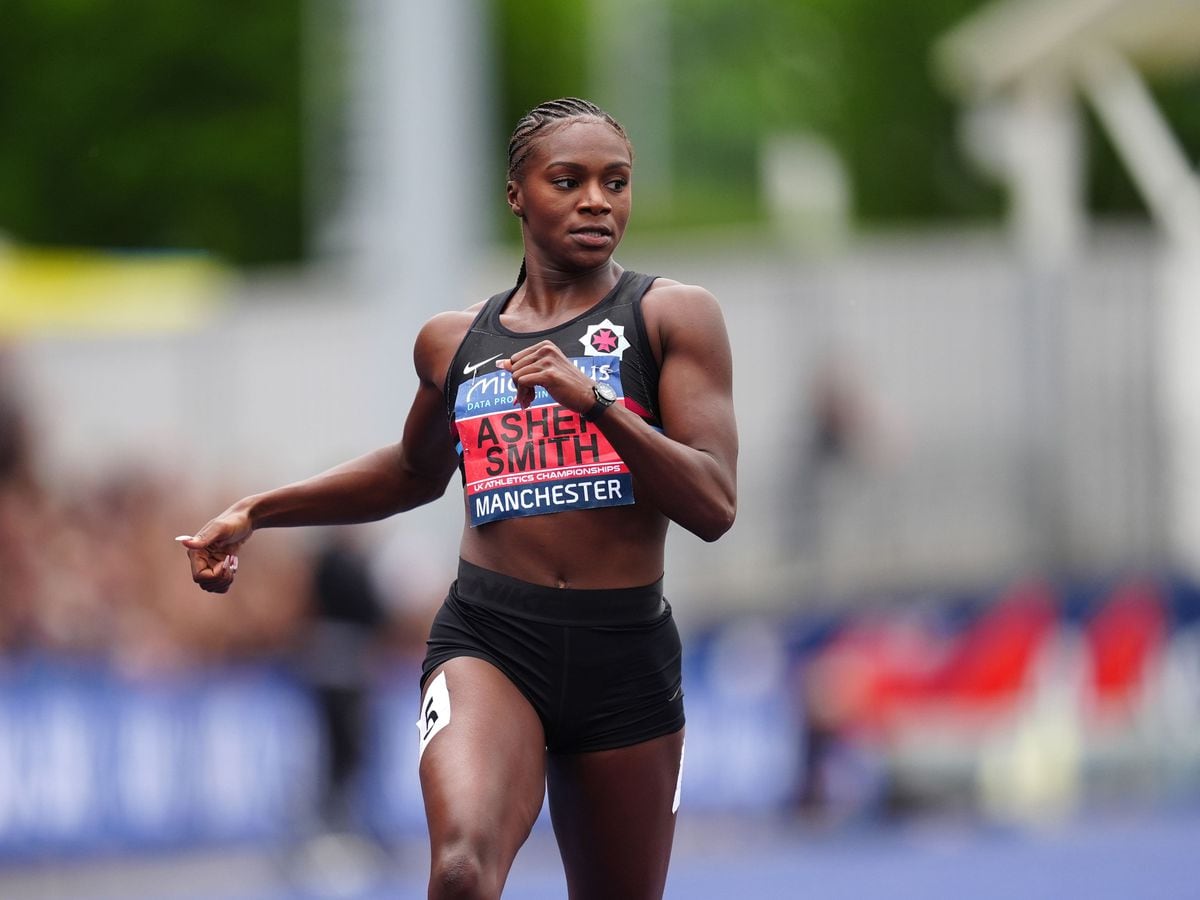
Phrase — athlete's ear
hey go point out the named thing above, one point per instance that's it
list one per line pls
(513, 190)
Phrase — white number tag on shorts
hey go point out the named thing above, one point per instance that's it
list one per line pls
(435, 711)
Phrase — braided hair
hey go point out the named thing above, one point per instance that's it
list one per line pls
(544, 116)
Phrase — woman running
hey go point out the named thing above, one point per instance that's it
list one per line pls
(586, 408)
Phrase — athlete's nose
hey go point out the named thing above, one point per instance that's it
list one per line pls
(594, 199)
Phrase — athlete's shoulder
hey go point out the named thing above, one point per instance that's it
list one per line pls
(439, 338)
(452, 324)
(446, 326)
(678, 314)
(669, 297)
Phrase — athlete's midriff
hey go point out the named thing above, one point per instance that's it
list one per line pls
(614, 547)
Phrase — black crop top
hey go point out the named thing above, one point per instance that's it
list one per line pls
(547, 459)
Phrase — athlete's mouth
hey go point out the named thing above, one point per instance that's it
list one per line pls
(594, 231)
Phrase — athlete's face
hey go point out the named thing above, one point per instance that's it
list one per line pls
(574, 194)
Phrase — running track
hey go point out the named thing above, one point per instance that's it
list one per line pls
(1132, 856)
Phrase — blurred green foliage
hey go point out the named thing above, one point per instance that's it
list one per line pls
(855, 72)
(541, 54)
(142, 123)
(133, 123)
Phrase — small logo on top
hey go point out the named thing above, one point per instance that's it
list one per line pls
(605, 339)
(471, 368)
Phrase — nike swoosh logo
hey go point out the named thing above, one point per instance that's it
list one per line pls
(474, 367)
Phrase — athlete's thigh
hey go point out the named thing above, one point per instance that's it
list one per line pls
(483, 772)
(614, 817)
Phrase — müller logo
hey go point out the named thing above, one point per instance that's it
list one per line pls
(605, 339)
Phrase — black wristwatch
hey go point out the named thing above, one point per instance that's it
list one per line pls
(605, 397)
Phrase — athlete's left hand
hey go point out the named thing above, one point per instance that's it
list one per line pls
(544, 365)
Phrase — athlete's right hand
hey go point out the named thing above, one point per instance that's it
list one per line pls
(213, 549)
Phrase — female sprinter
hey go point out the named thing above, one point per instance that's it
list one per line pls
(586, 408)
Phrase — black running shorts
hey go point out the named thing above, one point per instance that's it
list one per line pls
(600, 667)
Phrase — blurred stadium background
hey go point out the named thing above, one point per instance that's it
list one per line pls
(951, 647)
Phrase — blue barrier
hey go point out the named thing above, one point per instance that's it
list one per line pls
(92, 761)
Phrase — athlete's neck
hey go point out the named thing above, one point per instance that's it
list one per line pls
(548, 293)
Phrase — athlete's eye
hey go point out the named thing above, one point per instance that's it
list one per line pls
(618, 184)
(565, 182)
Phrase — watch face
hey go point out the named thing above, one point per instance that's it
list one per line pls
(605, 392)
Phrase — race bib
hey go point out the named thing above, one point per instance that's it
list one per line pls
(539, 460)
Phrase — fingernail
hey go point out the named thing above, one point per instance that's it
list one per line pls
(184, 537)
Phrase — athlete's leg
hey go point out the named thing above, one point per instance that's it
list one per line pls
(613, 817)
(483, 780)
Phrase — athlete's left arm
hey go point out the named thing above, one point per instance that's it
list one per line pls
(689, 470)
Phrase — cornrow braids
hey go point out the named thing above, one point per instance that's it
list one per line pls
(552, 112)
(537, 120)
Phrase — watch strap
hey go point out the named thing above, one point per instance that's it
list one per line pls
(598, 409)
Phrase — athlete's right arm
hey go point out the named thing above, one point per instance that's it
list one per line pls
(373, 486)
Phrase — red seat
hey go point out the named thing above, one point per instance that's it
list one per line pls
(990, 663)
(880, 671)
(1122, 640)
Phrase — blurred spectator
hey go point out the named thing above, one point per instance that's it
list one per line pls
(347, 616)
(19, 508)
(839, 434)
(15, 460)
(409, 572)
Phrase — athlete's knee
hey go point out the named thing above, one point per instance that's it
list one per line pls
(460, 871)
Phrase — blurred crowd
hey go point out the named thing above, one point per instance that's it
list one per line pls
(1021, 701)
(89, 569)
